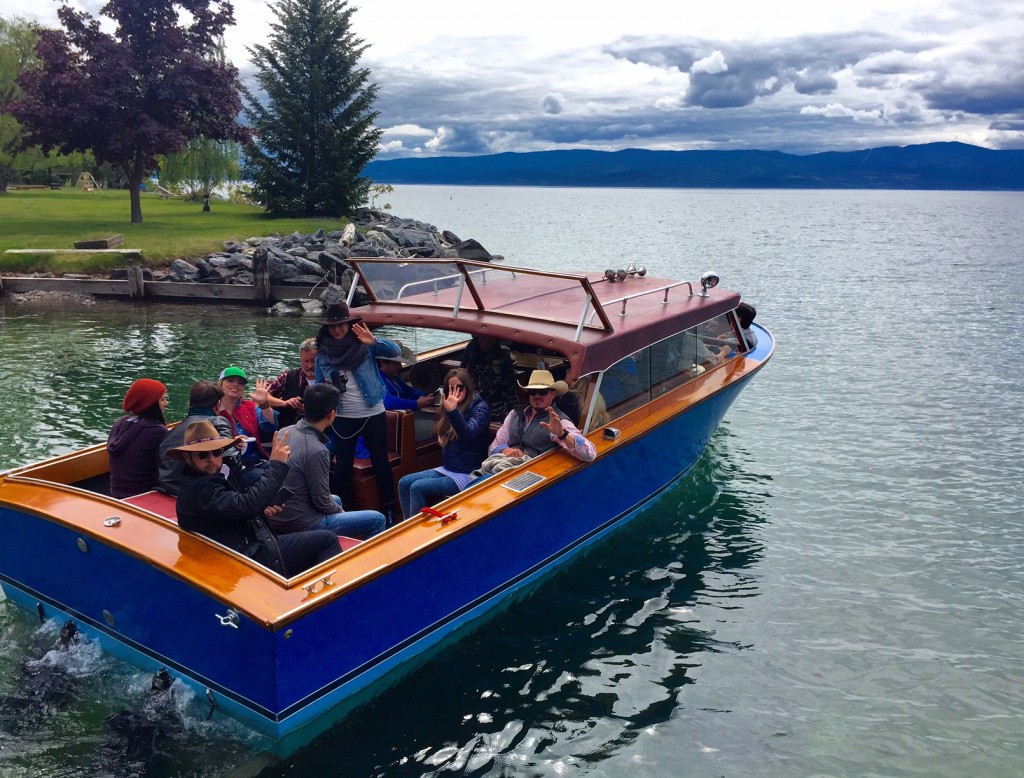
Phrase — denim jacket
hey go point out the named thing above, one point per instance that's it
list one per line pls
(366, 375)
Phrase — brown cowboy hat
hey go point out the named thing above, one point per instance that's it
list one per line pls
(542, 379)
(338, 313)
(203, 436)
(405, 356)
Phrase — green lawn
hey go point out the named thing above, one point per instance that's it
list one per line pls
(171, 228)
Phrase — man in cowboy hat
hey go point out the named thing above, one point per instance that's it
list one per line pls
(400, 396)
(540, 427)
(219, 506)
(202, 400)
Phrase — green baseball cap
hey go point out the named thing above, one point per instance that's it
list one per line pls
(236, 372)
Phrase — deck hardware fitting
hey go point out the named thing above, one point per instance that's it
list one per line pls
(442, 518)
(230, 619)
(325, 581)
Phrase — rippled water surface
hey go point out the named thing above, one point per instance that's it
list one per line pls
(835, 590)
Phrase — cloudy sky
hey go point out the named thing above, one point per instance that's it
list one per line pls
(459, 77)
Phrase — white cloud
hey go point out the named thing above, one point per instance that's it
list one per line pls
(713, 63)
(409, 130)
(839, 111)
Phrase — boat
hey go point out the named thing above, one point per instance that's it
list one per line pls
(655, 363)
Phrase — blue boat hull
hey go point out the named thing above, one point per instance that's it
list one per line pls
(278, 681)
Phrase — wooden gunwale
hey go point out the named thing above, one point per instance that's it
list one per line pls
(273, 602)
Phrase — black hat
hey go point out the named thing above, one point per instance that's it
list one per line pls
(338, 313)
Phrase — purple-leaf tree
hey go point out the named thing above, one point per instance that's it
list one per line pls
(132, 96)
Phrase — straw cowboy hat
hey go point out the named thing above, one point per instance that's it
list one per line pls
(406, 357)
(542, 379)
(203, 436)
(338, 313)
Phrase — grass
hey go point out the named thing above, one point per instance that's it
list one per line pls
(173, 228)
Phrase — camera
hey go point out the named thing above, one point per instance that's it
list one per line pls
(340, 381)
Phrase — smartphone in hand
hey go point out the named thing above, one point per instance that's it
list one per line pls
(282, 496)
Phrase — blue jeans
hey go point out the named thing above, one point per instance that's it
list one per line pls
(423, 488)
(353, 524)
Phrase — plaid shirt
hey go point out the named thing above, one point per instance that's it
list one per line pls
(276, 386)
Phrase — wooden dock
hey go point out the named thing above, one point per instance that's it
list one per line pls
(135, 287)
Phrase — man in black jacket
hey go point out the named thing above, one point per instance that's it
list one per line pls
(213, 501)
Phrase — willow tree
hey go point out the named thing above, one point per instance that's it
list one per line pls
(313, 121)
(137, 93)
(202, 166)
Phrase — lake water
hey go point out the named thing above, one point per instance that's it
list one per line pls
(837, 588)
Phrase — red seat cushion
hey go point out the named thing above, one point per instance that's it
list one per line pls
(157, 502)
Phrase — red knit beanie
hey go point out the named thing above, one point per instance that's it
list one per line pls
(142, 394)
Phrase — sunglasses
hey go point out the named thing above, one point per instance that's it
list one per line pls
(538, 392)
(215, 453)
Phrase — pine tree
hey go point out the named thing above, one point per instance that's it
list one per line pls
(314, 133)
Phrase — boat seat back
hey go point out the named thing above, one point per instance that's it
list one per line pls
(155, 501)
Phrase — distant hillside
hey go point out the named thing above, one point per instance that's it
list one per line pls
(929, 166)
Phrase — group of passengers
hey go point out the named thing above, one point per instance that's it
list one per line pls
(220, 462)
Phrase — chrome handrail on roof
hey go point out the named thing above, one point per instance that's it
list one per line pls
(664, 301)
(469, 270)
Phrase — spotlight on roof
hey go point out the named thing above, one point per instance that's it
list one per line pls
(609, 275)
(620, 274)
(708, 281)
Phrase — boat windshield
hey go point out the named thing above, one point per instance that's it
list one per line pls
(470, 287)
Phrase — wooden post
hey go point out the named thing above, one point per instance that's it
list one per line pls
(136, 283)
(1, 286)
(260, 276)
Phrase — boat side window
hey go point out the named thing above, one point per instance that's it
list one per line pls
(669, 363)
(627, 384)
(721, 336)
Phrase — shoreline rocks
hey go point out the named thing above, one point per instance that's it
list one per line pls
(309, 259)
(315, 260)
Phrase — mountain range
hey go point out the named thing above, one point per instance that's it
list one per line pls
(926, 166)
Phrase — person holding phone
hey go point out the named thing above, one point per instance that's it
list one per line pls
(306, 499)
(462, 431)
